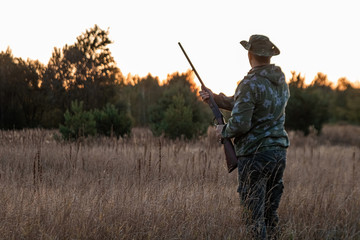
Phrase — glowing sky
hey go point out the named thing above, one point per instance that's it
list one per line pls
(313, 36)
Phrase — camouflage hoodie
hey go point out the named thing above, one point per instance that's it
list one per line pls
(258, 111)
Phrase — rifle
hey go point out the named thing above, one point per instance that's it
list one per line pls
(231, 159)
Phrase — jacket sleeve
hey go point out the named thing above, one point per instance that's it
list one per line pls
(224, 102)
(240, 121)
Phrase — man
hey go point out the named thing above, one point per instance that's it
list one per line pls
(257, 126)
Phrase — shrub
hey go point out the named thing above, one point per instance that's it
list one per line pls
(110, 121)
(178, 119)
(78, 123)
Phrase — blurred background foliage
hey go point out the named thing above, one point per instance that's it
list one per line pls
(82, 81)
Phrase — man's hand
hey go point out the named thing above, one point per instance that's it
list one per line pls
(218, 130)
(204, 94)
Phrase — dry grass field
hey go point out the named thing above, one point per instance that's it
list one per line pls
(145, 187)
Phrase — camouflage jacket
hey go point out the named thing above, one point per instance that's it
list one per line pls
(257, 111)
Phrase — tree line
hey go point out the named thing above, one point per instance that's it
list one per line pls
(311, 106)
(82, 92)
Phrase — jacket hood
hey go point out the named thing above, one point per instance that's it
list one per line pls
(271, 72)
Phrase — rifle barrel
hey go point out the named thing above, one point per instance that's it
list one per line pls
(231, 159)
(192, 66)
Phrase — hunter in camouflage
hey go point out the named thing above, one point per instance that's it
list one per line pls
(257, 127)
(257, 111)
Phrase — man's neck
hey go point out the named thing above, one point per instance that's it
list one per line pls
(254, 65)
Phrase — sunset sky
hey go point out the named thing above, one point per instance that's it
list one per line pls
(313, 36)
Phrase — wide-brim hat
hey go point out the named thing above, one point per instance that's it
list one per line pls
(260, 45)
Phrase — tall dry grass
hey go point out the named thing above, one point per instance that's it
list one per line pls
(145, 187)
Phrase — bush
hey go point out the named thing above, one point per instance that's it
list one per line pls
(178, 119)
(110, 121)
(78, 123)
(179, 115)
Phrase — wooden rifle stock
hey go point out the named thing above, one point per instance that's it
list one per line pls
(231, 159)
